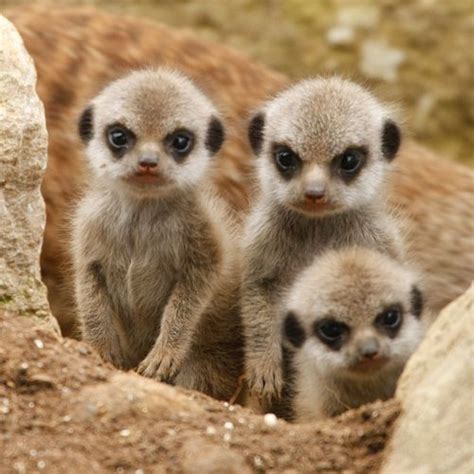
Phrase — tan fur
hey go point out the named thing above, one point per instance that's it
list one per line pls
(352, 286)
(77, 51)
(319, 120)
(155, 261)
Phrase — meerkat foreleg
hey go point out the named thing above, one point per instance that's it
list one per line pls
(179, 322)
(101, 326)
(263, 340)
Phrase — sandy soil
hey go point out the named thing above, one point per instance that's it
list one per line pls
(63, 410)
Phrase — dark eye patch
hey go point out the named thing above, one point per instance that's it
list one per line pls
(119, 139)
(180, 143)
(417, 302)
(331, 332)
(286, 161)
(349, 164)
(293, 331)
(390, 320)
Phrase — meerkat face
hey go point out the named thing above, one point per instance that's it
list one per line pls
(151, 132)
(324, 146)
(354, 314)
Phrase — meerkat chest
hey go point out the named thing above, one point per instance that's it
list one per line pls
(145, 253)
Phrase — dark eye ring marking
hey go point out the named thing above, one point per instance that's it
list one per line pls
(331, 332)
(390, 320)
(286, 160)
(349, 163)
(180, 143)
(119, 139)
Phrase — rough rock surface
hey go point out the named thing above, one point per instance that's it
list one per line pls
(23, 154)
(62, 409)
(436, 430)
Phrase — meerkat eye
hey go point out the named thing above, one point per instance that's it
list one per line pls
(351, 161)
(180, 143)
(390, 319)
(119, 139)
(333, 333)
(286, 159)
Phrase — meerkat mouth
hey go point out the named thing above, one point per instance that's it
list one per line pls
(315, 208)
(146, 179)
(369, 365)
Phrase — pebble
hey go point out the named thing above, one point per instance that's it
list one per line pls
(258, 462)
(210, 430)
(228, 425)
(125, 433)
(39, 343)
(270, 420)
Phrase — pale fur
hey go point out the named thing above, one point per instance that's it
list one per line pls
(353, 286)
(318, 119)
(156, 265)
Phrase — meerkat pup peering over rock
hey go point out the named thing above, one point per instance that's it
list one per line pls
(350, 322)
(154, 252)
(324, 147)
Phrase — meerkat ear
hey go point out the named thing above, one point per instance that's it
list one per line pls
(416, 301)
(86, 124)
(215, 135)
(255, 132)
(391, 139)
(293, 331)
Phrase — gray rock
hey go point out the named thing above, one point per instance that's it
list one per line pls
(23, 154)
(435, 432)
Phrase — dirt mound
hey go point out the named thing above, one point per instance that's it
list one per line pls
(64, 410)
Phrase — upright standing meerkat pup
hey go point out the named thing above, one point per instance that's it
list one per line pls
(350, 322)
(324, 148)
(154, 256)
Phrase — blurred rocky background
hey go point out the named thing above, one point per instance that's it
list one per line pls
(417, 53)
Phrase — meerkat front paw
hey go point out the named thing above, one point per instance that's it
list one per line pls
(161, 364)
(265, 376)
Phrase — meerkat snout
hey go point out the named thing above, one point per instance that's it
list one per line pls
(368, 348)
(147, 163)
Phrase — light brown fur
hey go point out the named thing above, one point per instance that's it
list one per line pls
(354, 287)
(155, 258)
(77, 51)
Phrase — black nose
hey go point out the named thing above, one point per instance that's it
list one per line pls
(147, 163)
(369, 349)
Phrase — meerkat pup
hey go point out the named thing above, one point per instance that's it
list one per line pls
(350, 322)
(155, 261)
(324, 147)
